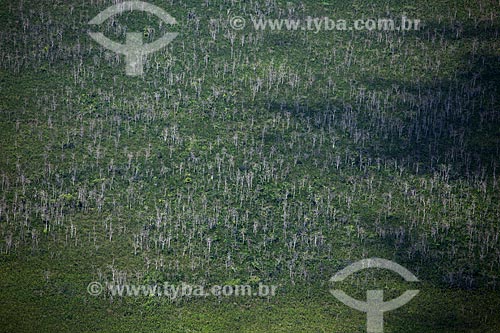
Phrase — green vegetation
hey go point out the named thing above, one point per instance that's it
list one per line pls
(245, 157)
